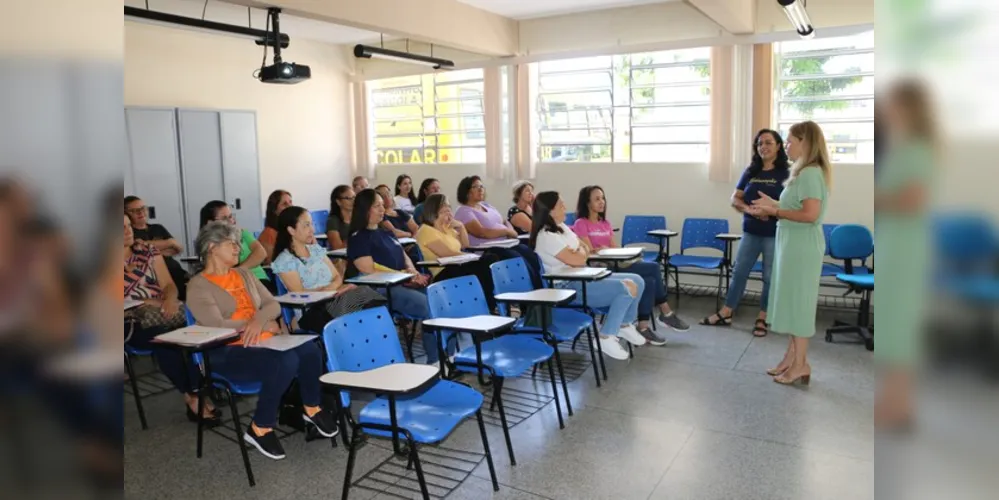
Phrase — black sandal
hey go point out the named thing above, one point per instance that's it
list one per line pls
(722, 320)
(761, 326)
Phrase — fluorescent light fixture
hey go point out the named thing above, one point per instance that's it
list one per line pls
(369, 52)
(795, 10)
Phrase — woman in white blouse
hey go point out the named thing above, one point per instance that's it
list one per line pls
(559, 248)
(405, 198)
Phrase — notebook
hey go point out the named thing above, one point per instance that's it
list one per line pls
(459, 259)
(196, 335)
(284, 342)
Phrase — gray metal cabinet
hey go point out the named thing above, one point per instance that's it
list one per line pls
(184, 158)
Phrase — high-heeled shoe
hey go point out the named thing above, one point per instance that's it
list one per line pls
(773, 372)
(805, 378)
(209, 421)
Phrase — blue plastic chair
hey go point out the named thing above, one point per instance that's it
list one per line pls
(512, 276)
(635, 231)
(503, 356)
(229, 388)
(570, 218)
(849, 242)
(966, 245)
(366, 340)
(700, 233)
(131, 352)
(864, 285)
(319, 218)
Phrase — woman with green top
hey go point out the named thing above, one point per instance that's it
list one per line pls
(901, 207)
(251, 253)
(799, 248)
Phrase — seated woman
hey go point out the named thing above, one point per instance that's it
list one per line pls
(519, 215)
(338, 223)
(304, 267)
(226, 296)
(148, 280)
(443, 236)
(559, 249)
(398, 222)
(276, 203)
(372, 250)
(428, 187)
(251, 252)
(405, 199)
(485, 225)
(595, 231)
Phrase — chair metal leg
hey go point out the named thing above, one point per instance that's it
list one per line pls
(410, 338)
(498, 401)
(676, 279)
(721, 274)
(355, 442)
(135, 391)
(593, 356)
(485, 447)
(600, 348)
(239, 438)
(558, 405)
(575, 340)
(561, 374)
(201, 413)
(415, 458)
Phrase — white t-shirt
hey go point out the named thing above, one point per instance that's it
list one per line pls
(404, 204)
(549, 245)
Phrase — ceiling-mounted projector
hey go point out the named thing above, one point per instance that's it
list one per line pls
(280, 71)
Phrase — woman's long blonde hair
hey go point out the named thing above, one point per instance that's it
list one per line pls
(811, 135)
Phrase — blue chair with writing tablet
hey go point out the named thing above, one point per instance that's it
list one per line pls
(365, 342)
(636, 229)
(502, 357)
(700, 233)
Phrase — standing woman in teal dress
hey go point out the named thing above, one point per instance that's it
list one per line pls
(901, 213)
(799, 248)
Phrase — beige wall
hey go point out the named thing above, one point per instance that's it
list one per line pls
(303, 130)
(675, 190)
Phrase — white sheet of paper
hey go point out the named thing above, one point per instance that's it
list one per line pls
(285, 342)
(130, 303)
(459, 259)
(195, 335)
(304, 298)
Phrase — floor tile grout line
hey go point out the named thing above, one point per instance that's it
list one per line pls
(671, 462)
(744, 351)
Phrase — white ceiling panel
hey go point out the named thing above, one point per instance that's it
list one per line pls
(528, 9)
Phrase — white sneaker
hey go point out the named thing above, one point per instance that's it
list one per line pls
(630, 333)
(612, 348)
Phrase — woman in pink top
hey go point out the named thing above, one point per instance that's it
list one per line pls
(595, 231)
(485, 225)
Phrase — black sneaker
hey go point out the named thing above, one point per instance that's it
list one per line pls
(323, 422)
(672, 321)
(652, 337)
(268, 444)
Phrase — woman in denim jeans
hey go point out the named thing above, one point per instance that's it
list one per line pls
(559, 248)
(766, 174)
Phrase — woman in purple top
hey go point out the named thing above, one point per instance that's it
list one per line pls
(595, 231)
(485, 224)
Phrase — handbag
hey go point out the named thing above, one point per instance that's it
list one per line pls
(535, 313)
(152, 317)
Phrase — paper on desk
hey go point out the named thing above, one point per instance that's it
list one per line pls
(459, 259)
(196, 335)
(284, 342)
(498, 244)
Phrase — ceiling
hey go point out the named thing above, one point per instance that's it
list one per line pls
(233, 14)
(528, 9)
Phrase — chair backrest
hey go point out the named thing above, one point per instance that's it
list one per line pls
(319, 218)
(700, 233)
(850, 241)
(286, 312)
(965, 237)
(510, 276)
(570, 218)
(636, 227)
(827, 230)
(362, 341)
(457, 298)
(197, 357)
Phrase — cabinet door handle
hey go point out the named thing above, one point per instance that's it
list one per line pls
(152, 212)
(239, 204)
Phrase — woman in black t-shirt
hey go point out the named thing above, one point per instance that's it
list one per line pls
(766, 174)
(398, 221)
(520, 214)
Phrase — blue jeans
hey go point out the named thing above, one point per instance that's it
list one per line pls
(413, 303)
(274, 370)
(611, 293)
(750, 249)
(655, 289)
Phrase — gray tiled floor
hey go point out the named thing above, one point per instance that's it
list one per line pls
(697, 419)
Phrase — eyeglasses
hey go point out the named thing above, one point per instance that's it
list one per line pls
(478, 186)
(137, 210)
(346, 198)
(230, 218)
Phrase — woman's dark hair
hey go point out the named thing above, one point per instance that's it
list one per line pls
(583, 204)
(518, 190)
(210, 210)
(334, 196)
(544, 203)
(432, 208)
(781, 162)
(398, 182)
(288, 218)
(424, 186)
(271, 218)
(363, 202)
(465, 186)
(130, 199)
